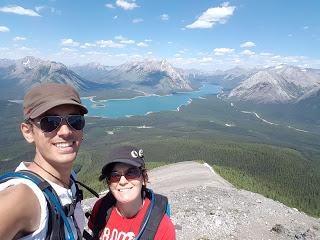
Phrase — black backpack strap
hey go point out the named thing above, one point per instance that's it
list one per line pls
(102, 214)
(157, 212)
(55, 222)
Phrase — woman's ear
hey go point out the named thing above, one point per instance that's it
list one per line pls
(27, 132)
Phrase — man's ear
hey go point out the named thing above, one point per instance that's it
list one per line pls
(27, 132)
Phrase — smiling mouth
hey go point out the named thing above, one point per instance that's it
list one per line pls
(124, 189)
(63, 145)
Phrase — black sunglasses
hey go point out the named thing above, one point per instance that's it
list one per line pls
(130, 174)
(51, 123)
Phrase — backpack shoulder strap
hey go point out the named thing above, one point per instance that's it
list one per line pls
(159, 209)
(55, 223)
(102, 215)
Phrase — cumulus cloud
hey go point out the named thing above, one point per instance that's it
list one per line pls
(127, 41)
(109, 44)
(137, 20)
(213, 16)
(4, 29)
(88, 45)
(126, 5)
(164, 17)
(19, 10)
(109, 5)
(69, 42)
(222, 51)
(247, 52)
(142, 44)
(248, 45)
(17, 38)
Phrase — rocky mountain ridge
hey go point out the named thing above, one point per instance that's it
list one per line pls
(280, 84)
(16, 76)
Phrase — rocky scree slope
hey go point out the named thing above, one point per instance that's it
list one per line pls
(205, 206)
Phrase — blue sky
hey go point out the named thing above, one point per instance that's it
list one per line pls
(199, 34)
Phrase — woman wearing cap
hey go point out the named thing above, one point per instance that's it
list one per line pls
(129, 210)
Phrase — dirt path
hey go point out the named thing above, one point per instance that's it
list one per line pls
(185, 175)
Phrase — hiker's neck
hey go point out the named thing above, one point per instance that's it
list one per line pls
(58, 170)
(130, 209)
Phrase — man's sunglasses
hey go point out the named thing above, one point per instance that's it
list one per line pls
(51, 123)
(130, 174)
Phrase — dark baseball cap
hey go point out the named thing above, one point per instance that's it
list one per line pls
(123, 154)
(45, 96)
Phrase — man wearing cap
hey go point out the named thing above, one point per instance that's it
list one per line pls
(53, 123)
(130, 210)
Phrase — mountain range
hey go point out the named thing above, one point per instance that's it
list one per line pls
(278, 84)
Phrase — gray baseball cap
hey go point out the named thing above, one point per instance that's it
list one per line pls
(45, 96)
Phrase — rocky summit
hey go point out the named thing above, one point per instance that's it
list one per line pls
(205, 206)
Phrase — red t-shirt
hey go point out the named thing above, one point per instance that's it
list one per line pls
(122, 228)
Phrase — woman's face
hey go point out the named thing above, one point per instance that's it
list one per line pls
(127, 189)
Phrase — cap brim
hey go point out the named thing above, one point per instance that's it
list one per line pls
(106, 167)
(52, 104)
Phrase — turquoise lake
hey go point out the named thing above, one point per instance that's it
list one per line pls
(142, 105)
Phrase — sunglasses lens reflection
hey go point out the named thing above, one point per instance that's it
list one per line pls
(131, 174)
(51, 123)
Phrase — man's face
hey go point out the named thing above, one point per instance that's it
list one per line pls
(60, 146)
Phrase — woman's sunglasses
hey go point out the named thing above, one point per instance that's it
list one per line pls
(50, 123)
(130, 174)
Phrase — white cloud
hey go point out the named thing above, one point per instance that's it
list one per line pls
(206, 60)
(109, 44)
(126, 5)
(213, 16)
(25, 48)
(247, 52)
(4, 29)
(17, 38)
(164, 17)
(127, 41)
(222, 51)
(170, 43)
(109, 5)
(88, 45)
(148, 40)
(68, 50)
(19, 10)
(119, 37)
(137, 20)
(248, 45)
(115, 17)
(142, 44)
(124, 40)
(69, 42)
